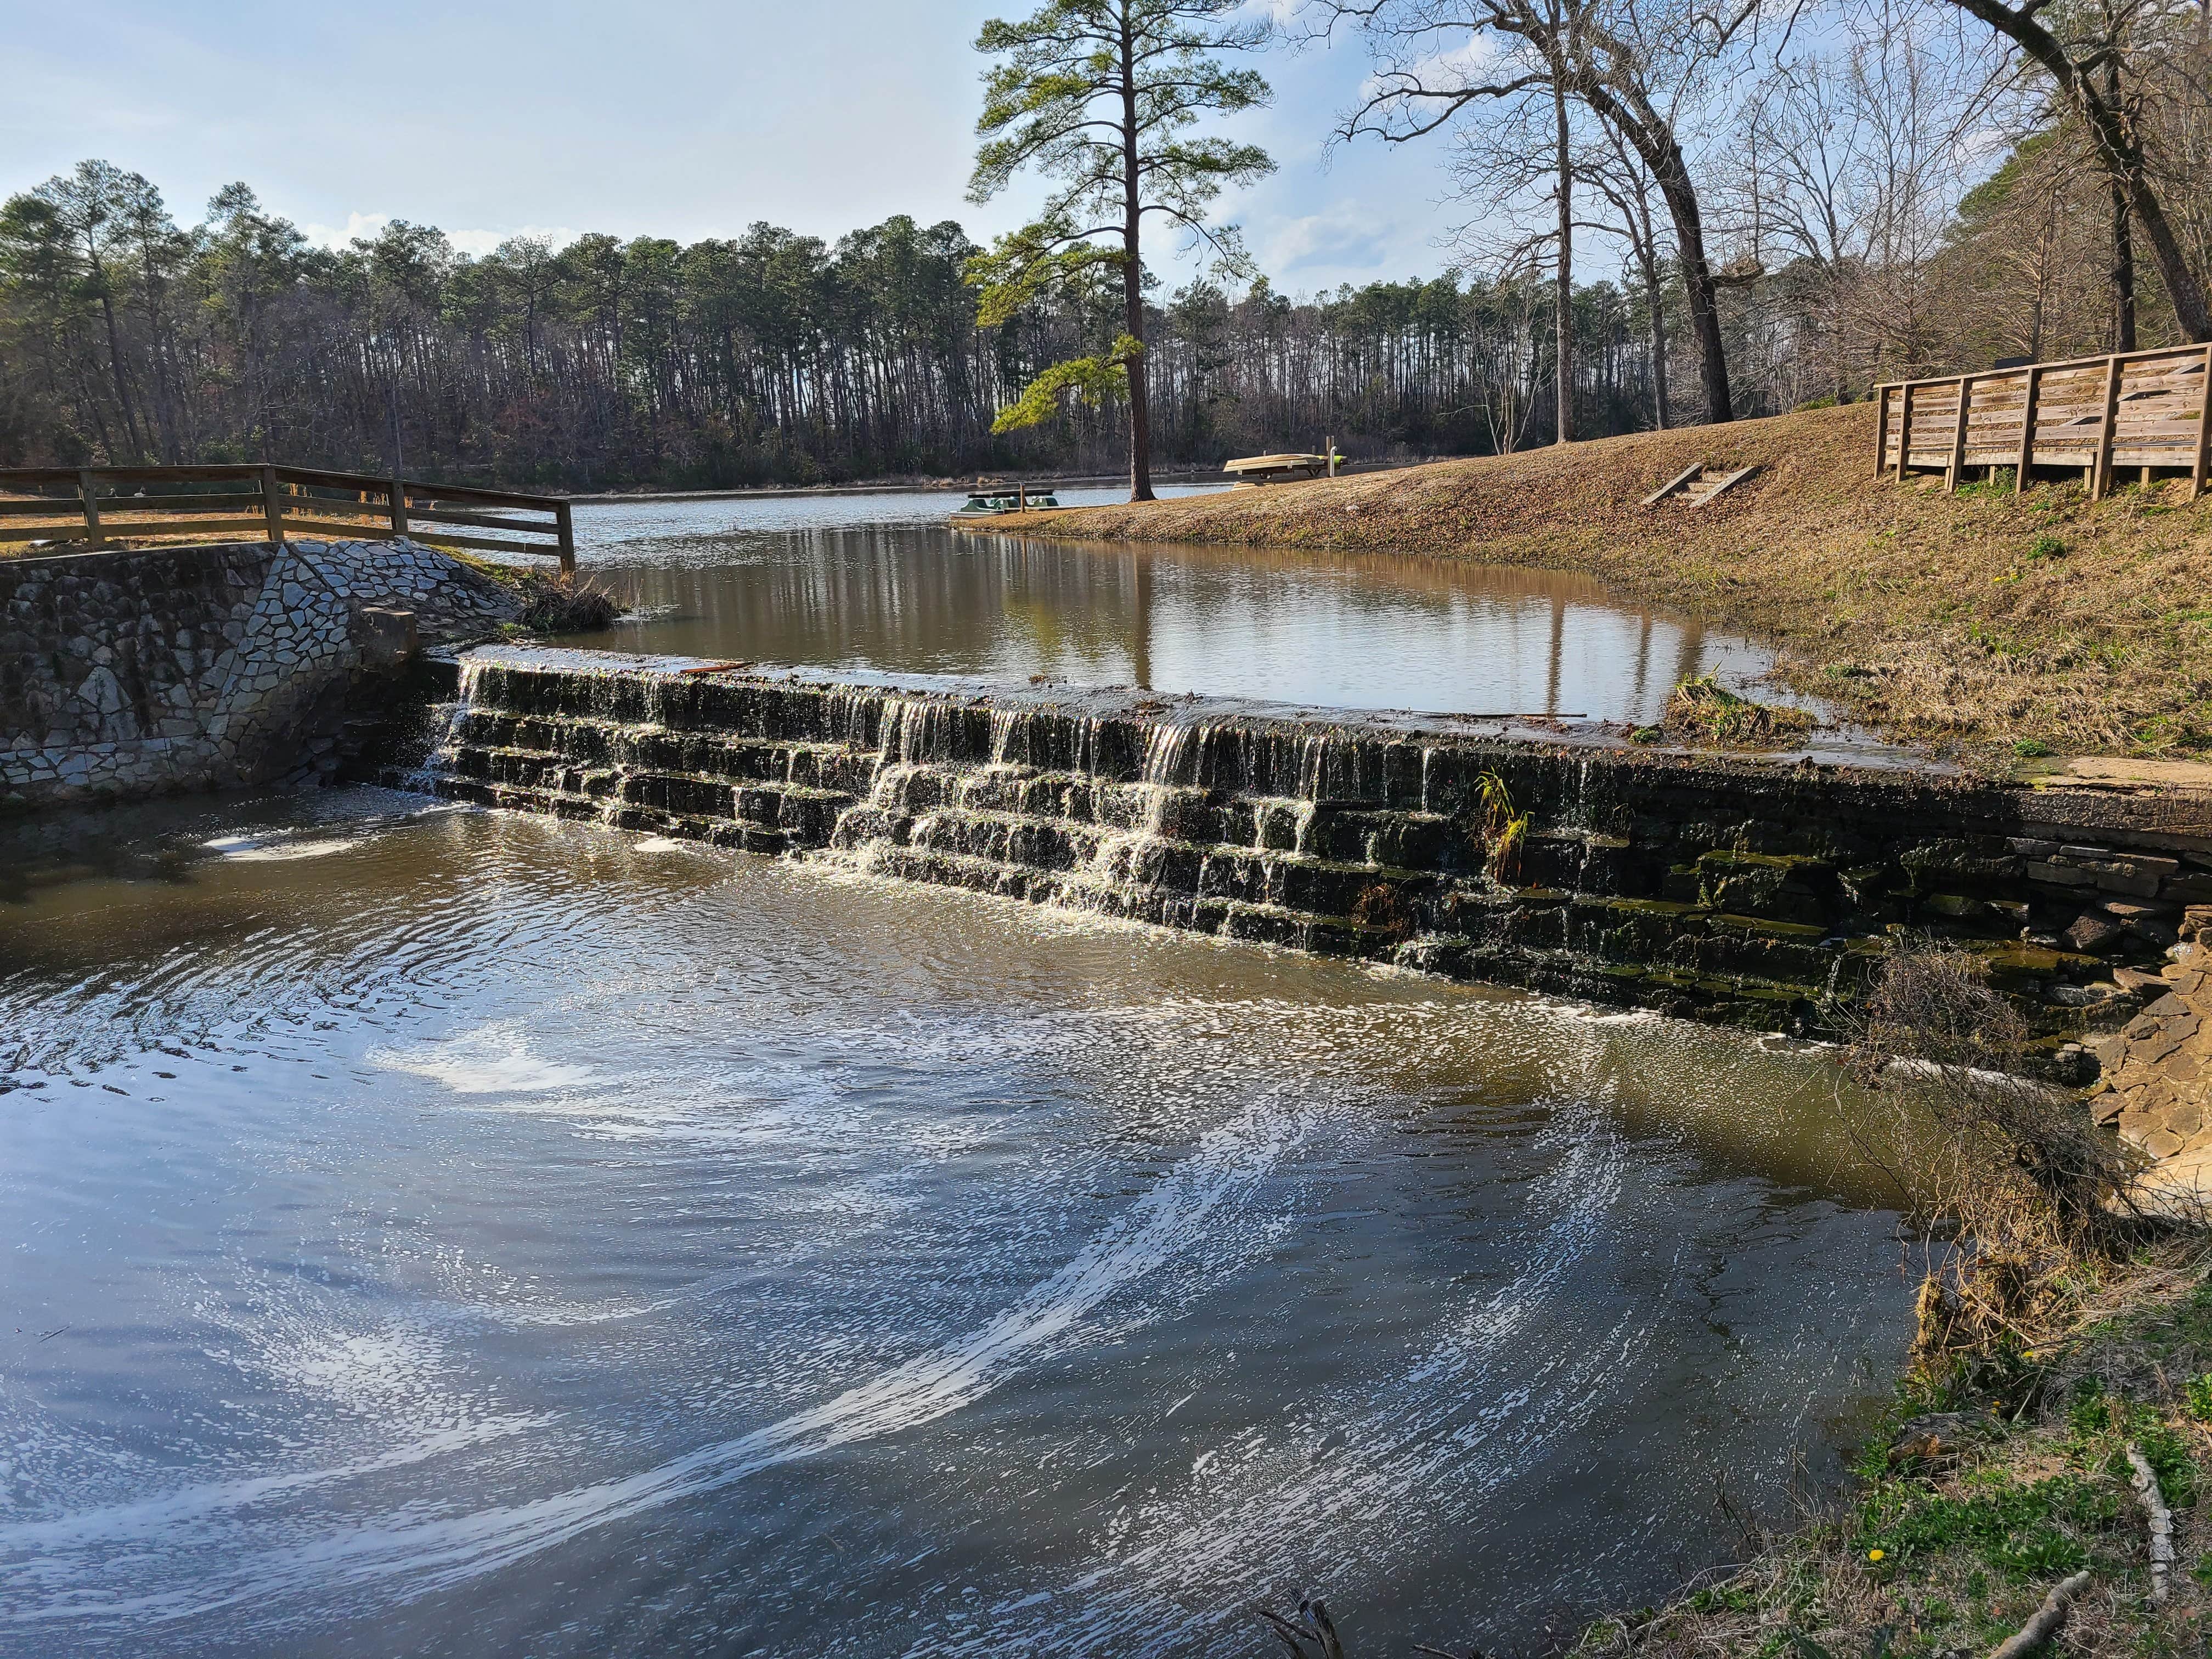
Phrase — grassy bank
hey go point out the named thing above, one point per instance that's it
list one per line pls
(1981, 621)
(1995, 1478)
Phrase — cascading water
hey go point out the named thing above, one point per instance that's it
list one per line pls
(1365, 842)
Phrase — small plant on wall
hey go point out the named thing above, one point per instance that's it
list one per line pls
(1503, 829)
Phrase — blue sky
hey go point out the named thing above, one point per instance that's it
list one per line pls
(675, 117)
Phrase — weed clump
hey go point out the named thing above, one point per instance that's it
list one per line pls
(567, 603)
(1706, 709)
(1503, 829)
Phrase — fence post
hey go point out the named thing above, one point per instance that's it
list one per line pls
(88, 492)
(1903, 429)
(272, 507)
(2197, 477)
(2100, 470)
(2027, 431)
(1880, 429)
(397, 495)
(565, 526)
(1958, 435)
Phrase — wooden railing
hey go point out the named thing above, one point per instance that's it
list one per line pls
(2151, 410)
(103, 506)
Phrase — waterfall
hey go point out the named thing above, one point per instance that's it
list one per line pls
(1361, 842)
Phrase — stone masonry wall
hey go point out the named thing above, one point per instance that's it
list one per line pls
(131, 673)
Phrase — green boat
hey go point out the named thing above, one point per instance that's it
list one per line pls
(988, 504)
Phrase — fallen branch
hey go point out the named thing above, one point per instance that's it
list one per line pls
(2047, 1621)
(2161, 1523)
(1313, 1636)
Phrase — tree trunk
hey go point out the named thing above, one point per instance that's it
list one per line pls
(1654, 141)
(2123, 244)
(1133, 274)
(115, 364)
(2123, 273)
(1657, 297)
(1564, 307)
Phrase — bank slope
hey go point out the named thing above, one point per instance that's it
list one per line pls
(1984, 620)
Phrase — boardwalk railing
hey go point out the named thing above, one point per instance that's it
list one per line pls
(2151, 410)
(104, 505)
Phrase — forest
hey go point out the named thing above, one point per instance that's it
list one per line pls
(1891, 189)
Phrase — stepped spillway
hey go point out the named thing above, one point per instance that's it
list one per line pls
(1727, 889)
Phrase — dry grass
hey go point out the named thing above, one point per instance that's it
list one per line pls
(566, 604)
(1980, 621)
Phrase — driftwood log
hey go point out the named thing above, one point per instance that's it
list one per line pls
(2047, 1619)
(2160, 1518)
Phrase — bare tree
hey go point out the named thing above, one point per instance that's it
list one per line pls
(2086, 55)
(1642, 67)
(1848, 170)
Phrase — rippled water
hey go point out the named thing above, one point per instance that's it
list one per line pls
(879, 582)
(457, 1233)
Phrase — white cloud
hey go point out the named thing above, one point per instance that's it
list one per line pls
(1459, 65)
(362, 226)
(366, 226)
(1344, 235)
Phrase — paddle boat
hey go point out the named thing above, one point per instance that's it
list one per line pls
(989, 503)
(1277, 468)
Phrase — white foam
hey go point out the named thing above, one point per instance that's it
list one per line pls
(430, 1554)
(247, 850)
(493, 1059)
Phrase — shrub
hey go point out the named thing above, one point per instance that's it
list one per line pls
(567, 603)
(2030, 748)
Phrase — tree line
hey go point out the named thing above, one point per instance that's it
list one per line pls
(1791, 206)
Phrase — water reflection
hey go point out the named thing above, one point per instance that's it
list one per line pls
(1367, 631)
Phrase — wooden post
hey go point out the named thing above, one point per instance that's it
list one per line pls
(2027, 431)
(272, 506)
(398, 499)
(2197, 477)
(1903, 429)
(1959, 435)
(2100, 471)
(1880, 429)
(565, 526)
(88, 492)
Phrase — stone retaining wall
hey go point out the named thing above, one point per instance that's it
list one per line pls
(126, 674)
(1712, 887)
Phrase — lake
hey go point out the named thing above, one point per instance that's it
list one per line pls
(881, 584)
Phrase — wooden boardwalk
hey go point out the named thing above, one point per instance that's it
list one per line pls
(105, 506)
(2150, 410)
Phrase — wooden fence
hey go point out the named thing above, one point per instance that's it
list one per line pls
(2151, 410)
(107, 505)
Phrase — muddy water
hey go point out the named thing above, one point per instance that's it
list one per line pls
(879, 582)
(457, 1233)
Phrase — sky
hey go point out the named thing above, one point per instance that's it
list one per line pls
(685, 119)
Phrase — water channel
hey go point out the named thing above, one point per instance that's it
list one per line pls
(455, 1233)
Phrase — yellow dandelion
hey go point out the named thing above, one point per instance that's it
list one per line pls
(1875, 1555)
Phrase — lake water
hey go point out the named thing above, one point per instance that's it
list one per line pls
(455, 1233)
(881, 583)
